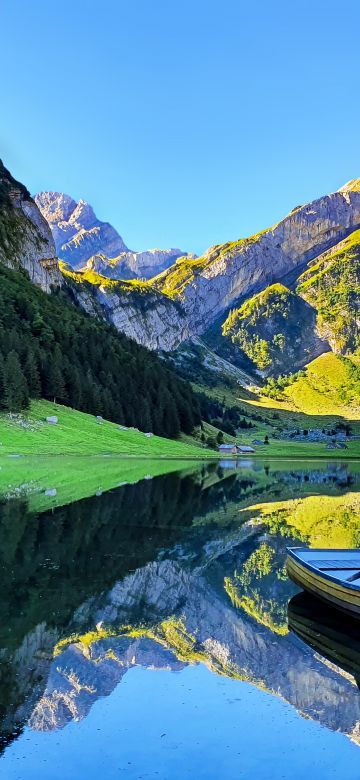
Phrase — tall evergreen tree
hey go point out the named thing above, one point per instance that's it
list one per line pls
(16, 389)
(32, 374)
(2, 386)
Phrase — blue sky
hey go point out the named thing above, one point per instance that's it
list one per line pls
(184, 124)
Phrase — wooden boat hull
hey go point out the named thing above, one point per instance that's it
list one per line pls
(325, 630)
(341, 596)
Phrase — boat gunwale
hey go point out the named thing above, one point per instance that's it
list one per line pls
(291, 551)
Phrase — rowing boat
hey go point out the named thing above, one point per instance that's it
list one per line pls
(335, 636)
(331, 575)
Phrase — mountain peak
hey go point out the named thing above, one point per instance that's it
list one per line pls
(351, 186)
(80, 237)
(55, 206)
(77, 232)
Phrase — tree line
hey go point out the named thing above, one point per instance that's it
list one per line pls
(51, 349)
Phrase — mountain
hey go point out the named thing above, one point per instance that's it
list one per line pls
(312, 253)
(331, 284)
(211, 284)
(273, 324)
(83, 240)
(25, 237)
(50, 348)
(281, 330)
(132, 265)
(77, 232)
(268, 304)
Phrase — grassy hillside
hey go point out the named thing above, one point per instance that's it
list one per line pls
(332, 285)
(175, 279)
(323, 396)
(275, 329)
(330, 385)
(78, 433)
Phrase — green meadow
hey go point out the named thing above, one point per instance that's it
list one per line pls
(77, 433)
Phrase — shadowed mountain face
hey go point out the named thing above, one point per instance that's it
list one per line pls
(25, 237)
(169, 572)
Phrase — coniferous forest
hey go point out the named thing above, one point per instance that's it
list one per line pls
(50, 349)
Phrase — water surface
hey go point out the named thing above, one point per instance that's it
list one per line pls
(144, 632)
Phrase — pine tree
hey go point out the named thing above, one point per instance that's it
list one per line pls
(85, 362)
(74, 388)
(172, 422)
(145, 422)
(2, 387)
(54, 383)
(32, 374)
(16, 389)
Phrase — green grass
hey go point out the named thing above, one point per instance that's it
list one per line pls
(78, 433)
(271, 296)
(76, 477)
(327, 393)
(96, 279)
(332, 286)
(330, 386)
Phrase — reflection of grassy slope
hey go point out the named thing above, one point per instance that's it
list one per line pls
(263, 487)
(171, 634)
(321, 521)
(256, 607)
(78, 433)
(261, 588)
(75, 478)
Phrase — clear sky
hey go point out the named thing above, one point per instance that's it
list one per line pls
(184, 124)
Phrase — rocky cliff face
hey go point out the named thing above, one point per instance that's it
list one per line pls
(205, 288)
(211, 284)
(133, 265)
(78, 234)
(141, 312)
(314, 252)
(81, 239)
(25, 237)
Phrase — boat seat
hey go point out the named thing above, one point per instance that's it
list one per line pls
(354, 577)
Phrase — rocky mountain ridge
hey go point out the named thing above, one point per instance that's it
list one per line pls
(25, 237)
(190, 296)
(82, 240)
(313, 253)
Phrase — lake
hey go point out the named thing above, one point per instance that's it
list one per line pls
(150, 631)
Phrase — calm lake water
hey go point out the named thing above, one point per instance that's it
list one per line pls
(151, 631)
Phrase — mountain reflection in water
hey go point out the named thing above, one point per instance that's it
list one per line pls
(182, 569)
